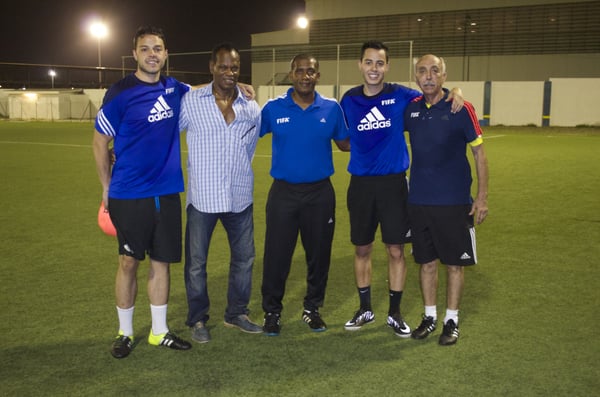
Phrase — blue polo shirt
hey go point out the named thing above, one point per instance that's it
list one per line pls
(440, 173)
(376, 125)
(301, 142)
(143, 118)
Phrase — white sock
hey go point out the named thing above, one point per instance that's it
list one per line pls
(126, 320)
(451, 315)
(159, 319)
(431, 311)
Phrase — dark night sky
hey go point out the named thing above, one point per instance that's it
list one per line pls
(56, 31)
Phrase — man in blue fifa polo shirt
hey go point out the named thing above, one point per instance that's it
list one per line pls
(441, 211)
(140, 113)
(301, 199)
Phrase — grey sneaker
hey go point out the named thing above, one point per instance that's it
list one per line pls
(244, 324)
(200, 333)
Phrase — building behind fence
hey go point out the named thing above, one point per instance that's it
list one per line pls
(521, 62)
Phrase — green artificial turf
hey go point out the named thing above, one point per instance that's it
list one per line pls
(528, 317)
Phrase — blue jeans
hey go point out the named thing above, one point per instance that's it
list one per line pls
(240, 233)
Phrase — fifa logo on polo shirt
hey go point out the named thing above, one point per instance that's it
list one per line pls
(160, 111)
(373, 121)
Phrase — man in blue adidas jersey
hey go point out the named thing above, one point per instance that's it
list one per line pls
(140, 114)
(378, 189)
(441, 210)
(301, 199)
(222, 131)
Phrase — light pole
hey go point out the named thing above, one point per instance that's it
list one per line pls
(52, 74)
(99, 31)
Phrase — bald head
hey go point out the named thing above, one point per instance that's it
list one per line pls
(430, 75)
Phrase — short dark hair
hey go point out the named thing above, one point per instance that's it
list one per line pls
(303, 56)
(145, 30)
(377, 45)
(226, 46)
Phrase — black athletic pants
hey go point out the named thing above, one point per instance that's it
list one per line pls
(308, 209)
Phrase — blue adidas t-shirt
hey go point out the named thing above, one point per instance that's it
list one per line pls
(143, 118)
(301, 143)
(376, 125)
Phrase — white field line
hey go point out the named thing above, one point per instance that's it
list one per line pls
(184, 151)
(44, 144)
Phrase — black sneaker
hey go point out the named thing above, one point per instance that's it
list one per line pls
(396, 322)
(427, 326)
(449, 335)
(271, 325)
(361, 317)
(121, 346)
(314, 320)
(169, 340)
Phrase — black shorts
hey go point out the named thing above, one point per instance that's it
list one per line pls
(148, 225)
(443, 232)
(378, 200)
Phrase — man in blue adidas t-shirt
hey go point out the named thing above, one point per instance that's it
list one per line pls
(441, 211)
(140, 113)
(378, 190)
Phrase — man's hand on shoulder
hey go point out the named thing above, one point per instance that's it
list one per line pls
(247, 91)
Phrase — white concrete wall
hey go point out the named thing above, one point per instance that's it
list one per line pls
(81, 107)
(517, 103)
(96, 96)
(4, 102)
(575, 102)
(33, 106)
(52, 105)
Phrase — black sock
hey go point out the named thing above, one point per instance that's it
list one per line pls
(395, 298)
(365, 297)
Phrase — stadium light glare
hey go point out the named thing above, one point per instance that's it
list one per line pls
(302, 22)
(99, 30)
(52, 74)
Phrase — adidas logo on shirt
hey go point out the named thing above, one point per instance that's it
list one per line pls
(161, 110)
(373, 121)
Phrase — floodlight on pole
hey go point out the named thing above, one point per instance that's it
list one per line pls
(52, 74)
(99, 31)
